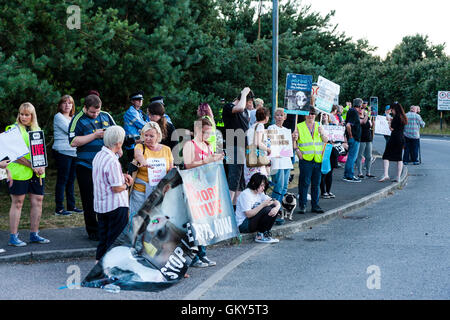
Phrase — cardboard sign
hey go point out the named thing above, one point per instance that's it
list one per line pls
(382, 126)
(326, 96)
(335, 133)
(280, 145)
(12, 145)
(297, 96)
(373, 106)
(37, 149)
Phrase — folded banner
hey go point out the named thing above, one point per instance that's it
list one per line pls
(209, 205)
(157, 246)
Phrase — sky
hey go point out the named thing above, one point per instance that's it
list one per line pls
(385, 22)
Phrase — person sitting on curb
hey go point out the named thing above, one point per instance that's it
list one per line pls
(256, 211)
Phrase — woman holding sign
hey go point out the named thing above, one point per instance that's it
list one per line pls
(196, 153)
(26, 180)
(154, 159)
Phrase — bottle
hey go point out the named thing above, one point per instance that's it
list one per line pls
(111, 288)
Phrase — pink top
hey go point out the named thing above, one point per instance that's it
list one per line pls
(199, 154)
(107, 173)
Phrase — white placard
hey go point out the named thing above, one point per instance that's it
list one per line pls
(12, 144)
(335, 133)
(158, 170)
(382, 126)
(280, 145)
(326, 95)
(444, 100)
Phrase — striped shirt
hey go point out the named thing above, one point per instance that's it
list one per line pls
(83, 125)
(107, 173)
(412, 129)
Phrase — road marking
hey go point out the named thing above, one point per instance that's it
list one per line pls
(434, 140)
(219, 275)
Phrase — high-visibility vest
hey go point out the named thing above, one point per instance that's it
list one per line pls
(212, 140)
(19, 171)
(309, 147)
(344, 112)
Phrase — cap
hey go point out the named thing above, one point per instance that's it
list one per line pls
(387, 107)
(159, 99)
(139, 95)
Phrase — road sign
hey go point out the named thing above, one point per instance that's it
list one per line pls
(444, 100)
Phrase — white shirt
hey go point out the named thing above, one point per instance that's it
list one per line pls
(246, 201)
(282, 162)
(251, 133)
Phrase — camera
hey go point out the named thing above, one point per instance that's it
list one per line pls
(130, 139)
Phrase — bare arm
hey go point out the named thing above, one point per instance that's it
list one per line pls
(240, 106)
(79, 141)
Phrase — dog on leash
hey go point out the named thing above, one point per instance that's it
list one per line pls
(288, 204)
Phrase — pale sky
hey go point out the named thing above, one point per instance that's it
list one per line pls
(385, 22)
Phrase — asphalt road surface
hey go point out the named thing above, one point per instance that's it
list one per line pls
(396, 248)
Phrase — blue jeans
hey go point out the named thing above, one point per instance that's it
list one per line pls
(310, 174)
(65, 181)
(411, 153)
(353, 149)
(281, 181)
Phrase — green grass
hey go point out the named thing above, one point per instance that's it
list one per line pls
(435, 129)
(48, 219)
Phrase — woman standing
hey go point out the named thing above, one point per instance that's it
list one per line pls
(204, 110)
(154, 159)
(65, 158)
(26, 180)
(156, 113)
(365, 145)
(396, 142)
(256, 135)
(110, 190)
(196, 153)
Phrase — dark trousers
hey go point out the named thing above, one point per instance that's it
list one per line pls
(411, 153)
(84, 177)
(110, 226)
(261, 222)
(310, 174)
(326, 182)
(65, 181)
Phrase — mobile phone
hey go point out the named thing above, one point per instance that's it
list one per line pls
(5, 158)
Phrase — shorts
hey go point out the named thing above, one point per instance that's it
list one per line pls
(235, 177)
(21, 187)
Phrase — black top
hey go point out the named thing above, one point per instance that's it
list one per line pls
(366, 133)
(353, 119)
(235, 121)
(167, 141)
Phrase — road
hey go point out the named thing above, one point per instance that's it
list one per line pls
(396, 248)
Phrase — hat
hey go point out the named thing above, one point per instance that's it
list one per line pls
(139, 95)
(159, 99)
(387, 107)
(93, 92)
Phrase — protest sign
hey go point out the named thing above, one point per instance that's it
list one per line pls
(12, 145)
(335, 133)
(373, 106)
(298, 94)
(157, 246)
(382, 126)
(326, 94)
(280, 145)
(38, 151)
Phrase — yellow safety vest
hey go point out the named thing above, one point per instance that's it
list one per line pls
(19, 171)
(212, 140)
(309, 147)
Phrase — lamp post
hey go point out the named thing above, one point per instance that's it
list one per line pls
(274, 58)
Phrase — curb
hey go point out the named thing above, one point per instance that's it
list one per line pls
(280, 231)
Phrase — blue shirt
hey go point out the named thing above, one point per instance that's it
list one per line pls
(133, 121)
(82, 125)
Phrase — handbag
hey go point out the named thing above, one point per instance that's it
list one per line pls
(255, 157)
(326, 164)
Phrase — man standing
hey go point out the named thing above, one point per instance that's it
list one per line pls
(134, 120)
(86, 134)
(353, 133)
(311, 139)
(236, 118)
(412, 136)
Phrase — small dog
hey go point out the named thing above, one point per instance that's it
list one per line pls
(288, 204)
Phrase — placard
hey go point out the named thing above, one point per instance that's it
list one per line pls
(37, 149)
(326, 96)
(280, 145)
(335, 133)
(297, 96)
(12, 145)
(382, 126)
(373, 106)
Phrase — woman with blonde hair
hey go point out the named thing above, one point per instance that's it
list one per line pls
(26, 180)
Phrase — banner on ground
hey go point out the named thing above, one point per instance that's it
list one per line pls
(297, 96)
(373, 106)
(280, 145)
(12, 145)
(38, 151)
(335, 133)
(157, 246)
(382, 126)
(327, 94)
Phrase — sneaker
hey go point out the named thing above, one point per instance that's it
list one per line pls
(331, 195)
(15, 241)
(269, 239)
(63, 212)
(360, 176)
(405, 163)
(207, 261)
(416, 163)
(325, 196)
(265, 238)
(76, 210)
(199, 264)
(351, 179)
(36, 238)
(370, 175)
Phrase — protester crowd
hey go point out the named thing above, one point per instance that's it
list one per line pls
(88, 145)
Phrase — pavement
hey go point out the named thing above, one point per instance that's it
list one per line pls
(67, 243)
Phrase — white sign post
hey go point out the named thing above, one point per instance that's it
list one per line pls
(443, 103)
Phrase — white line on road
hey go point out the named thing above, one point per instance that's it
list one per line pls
(219, 275)
(434, 140)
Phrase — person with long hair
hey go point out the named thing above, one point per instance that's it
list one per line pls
(196, 153)
(156, 113)
(394, 147)
(26, 180)
(204, 110)
(65, 158)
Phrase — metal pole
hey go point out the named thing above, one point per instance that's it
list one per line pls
(274, 58)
